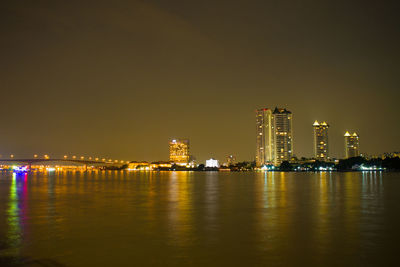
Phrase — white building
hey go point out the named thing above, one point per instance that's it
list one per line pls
(212, 163)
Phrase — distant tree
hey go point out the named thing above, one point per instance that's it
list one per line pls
(347, 164)
(285, 166)
(253, 164)
(201, 167)
(392, 164)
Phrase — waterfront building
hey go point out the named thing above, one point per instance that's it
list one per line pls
(321, 148)
(265, 137)
(352, 146)
(212, 163)
(230, 160)
(179, 151)
(160, 165)
(283, 136)
(138, 165)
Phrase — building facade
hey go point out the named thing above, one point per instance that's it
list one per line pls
(265, 137)
(212, 163)
(321, 147)
(352, 145)
(274, 141)
(282, 127)
(179, 151)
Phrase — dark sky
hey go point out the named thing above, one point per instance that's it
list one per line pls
(118, 79)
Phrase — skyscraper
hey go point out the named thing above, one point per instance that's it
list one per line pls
(352, 145)
(282, 126)
(179, 151)
(265, 137)
(321, 140)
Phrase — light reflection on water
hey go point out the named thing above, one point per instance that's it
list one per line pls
(13, 215)
(200, 218)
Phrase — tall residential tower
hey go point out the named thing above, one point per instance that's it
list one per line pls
(352, 145)
(265, 137)
(282, 123)
(274, 139)
(321, 140)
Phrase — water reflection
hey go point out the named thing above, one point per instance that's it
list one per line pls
(200, 219)
(16, 211)
(179, 209)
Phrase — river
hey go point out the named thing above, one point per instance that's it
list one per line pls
(119, 218)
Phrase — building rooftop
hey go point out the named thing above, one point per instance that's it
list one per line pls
(281, 111)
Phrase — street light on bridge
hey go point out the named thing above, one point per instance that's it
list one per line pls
(82, 158)
(74, 157)
(35, 156)
(46, 156)
(65, 157)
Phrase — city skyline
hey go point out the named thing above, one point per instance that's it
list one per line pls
(271, 125)
(274, 143)
(120, 80)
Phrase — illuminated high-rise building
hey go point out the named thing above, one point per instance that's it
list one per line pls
(179, 151)
(265, 137)
(321, 140)
(282, 128)
(352, 145)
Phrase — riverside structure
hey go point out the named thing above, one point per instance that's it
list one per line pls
(321, 148)
(179, 151)
(352, 145)
(274, 140)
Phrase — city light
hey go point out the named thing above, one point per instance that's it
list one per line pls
(18, 169)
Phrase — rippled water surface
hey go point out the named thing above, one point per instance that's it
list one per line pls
(199, 219)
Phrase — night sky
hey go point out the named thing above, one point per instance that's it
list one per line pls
(119, 79)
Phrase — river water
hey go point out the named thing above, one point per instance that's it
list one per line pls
(118, 218)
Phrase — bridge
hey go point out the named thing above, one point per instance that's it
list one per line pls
(28, 161)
